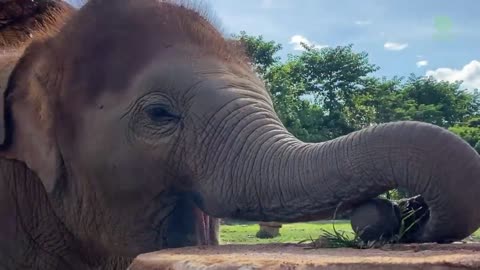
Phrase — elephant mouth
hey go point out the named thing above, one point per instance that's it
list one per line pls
(187, 225)
(207, 231)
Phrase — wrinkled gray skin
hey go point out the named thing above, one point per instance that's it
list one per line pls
(119, 128)
(381, 219)
(377, 219)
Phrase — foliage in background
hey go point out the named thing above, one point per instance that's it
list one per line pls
(324, 93)
(469, 131)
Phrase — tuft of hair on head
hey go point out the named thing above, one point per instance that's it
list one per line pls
(41, 20)
(195, 19)
(202, 8)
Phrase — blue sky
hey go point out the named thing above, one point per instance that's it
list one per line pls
(400, 36)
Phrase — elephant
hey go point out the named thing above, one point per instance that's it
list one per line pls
(130, 126)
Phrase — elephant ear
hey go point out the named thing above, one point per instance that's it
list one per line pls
(26, 123)
(7, 64)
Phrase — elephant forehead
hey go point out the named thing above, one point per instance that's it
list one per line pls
(100, 53)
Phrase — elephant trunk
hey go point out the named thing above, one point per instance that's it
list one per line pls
(271, 176)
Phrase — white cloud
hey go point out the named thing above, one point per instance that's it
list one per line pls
(266, 3)
(365, 22)
(394, 46)
(469, 74)
(422, 63)
(297, 41)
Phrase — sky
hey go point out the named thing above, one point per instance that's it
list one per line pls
(439, 38)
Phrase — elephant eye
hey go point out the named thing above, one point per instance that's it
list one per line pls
(158, 113)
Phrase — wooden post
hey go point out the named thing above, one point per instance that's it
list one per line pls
(269, 229)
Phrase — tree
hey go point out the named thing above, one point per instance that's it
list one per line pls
(418, 98)
(261, 52)
(313, 92)
(469, 131)
(438, 102)
(333, 76)
(324, 93)
(377, 103)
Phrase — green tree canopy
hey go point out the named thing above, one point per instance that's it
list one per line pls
(321, 94)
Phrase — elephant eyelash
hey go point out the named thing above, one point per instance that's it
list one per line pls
(158, 113)
(140, 102)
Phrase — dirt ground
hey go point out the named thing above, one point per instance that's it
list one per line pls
(290, 256)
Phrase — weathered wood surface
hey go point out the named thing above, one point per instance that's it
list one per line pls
(425, 256)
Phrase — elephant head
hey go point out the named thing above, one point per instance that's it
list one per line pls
(137, 118)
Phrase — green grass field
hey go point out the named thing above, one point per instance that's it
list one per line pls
(290, 233)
